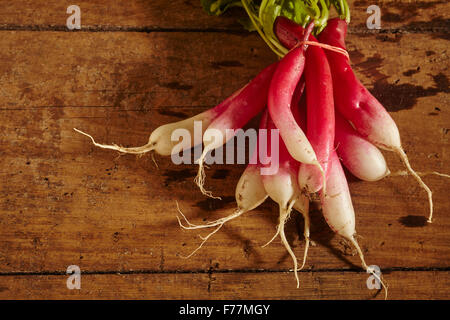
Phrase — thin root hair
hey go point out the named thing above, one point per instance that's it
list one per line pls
(365, 267)
(201, 176)
(405, 160)
(135, 150)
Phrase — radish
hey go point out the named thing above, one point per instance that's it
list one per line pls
(249, 194)
(337, 208)
(282, 87)
(358, 155)
(359, 106)
(247, 104)
(320, 116)
(283, 188)
(160, 139)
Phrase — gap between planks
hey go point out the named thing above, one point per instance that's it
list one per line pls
(149, 29)
(223, 271)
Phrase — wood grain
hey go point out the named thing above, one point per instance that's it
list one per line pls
(64, 202)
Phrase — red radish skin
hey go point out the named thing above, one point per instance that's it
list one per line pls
(282, 188)
(358, 155)
(247, 104)
(281, 91)
(288, 32)
(352, 99)
(298, 105)
(337, 208)
(348, 92)
(320, 116)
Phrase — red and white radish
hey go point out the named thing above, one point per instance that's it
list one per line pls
(161, 139)
(320, 117)
(282, 188)
(281, 91)
(358, 155)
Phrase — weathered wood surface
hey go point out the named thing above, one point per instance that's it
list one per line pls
(64, 202)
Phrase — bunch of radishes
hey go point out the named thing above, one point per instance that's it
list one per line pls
(324, 115)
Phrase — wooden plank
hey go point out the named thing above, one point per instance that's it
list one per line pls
(278, 286)
(402, 15)
(65, 202)
(104, 14)
(135, 71)
(415, 16)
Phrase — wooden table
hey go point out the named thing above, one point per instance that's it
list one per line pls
(135, 65)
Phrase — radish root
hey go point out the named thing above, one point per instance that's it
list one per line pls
(201, 175)
(273, 238)
(324, 179)
(365, 267)
(136, 150)
(203, 242)
(306, 235)
(284, 216)
(405, 160)
(421, 174)
(154, 161)
(209, 224)
(289, 209)
(219, 223)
